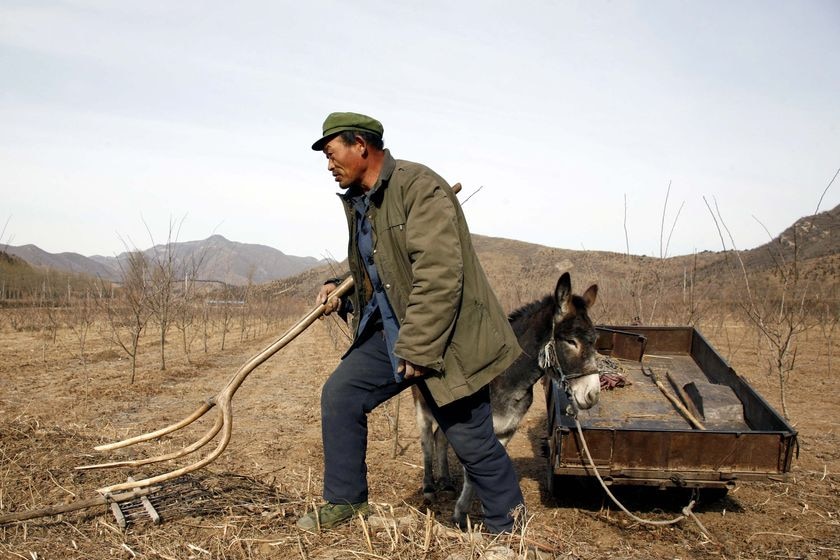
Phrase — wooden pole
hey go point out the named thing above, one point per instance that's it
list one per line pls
(674, 400)
(58, 509)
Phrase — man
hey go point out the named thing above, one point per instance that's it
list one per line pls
(423, 313)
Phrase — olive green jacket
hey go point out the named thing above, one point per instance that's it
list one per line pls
(450, 319)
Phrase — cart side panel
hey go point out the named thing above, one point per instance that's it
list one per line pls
(757, 412)
(626, 451)
(667, 340)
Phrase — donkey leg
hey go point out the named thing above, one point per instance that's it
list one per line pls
(465, 500)
(426, 426)
(444, 478)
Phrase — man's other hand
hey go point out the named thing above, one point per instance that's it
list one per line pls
(409, 370)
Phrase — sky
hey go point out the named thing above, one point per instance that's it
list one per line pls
(123, 124)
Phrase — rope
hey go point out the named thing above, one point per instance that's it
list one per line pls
(612, 496)
(687, 511)
(551, 360)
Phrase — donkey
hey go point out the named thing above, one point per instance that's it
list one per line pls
(558, 325)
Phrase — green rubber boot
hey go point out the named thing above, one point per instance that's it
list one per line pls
(329, 515)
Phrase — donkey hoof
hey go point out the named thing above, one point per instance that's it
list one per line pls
(428, 494)
(460, 520)
(448, 492)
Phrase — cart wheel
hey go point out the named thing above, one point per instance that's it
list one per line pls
(712, 495)
(551, 482)
(573, 491)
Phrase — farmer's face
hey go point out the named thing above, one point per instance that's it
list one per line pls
(346, 163)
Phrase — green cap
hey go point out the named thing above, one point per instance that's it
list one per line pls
(339, 122)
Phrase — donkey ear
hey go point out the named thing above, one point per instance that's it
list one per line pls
(563, 293)
(590, 295)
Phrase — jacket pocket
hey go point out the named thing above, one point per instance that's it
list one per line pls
(476, 343)
(395, 232)
(396, 257)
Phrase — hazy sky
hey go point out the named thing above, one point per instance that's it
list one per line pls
(116, 113)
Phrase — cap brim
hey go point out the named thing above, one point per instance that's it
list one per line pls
(319, 145)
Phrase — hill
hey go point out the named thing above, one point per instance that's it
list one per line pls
(812, 242)
(809, 238)
(66, 262)
(631, 286)
(672, 290)
(24, 284)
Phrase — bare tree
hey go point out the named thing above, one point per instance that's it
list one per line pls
(79, 319)
(779, 314)
(48, 311)
(128, 312)
(3, 234)
(658, 291)
(185, 303)
(43, 314)
(626, 234)
(205, 321)
(226, 310)
(826, 190)
(829, 318)
(163, 268)
(245, 310)
(646, 280)
(184, 315)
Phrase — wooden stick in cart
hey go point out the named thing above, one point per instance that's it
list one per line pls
(674, 400)
(684, 397)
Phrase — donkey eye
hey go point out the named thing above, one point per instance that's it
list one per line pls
(571, 342)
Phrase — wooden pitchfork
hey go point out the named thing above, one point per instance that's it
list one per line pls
(224, 422)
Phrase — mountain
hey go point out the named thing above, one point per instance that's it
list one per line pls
(217, 259)
(520, 271)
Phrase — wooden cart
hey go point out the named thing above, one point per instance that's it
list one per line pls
(638, 437)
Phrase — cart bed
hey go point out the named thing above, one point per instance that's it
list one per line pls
(636, 436)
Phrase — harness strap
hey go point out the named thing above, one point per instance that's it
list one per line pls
(549, 360)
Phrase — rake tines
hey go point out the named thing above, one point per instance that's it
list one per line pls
(224, 422)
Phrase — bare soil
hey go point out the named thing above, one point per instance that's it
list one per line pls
(53, 410)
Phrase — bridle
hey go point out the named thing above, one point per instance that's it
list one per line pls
(548, 360)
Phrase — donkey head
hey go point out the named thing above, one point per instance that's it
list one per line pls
(574, 341)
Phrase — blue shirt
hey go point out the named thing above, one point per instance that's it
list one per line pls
(378, 309)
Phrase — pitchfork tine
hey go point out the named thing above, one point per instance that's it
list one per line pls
(199, 412)
(223, 443)
(211, 433)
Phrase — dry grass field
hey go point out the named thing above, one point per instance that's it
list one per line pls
(55, 407)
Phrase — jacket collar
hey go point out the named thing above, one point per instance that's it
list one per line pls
(389, 164)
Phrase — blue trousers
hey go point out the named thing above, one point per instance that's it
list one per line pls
(365, 379)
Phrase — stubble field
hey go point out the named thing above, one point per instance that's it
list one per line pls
(54, 409)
